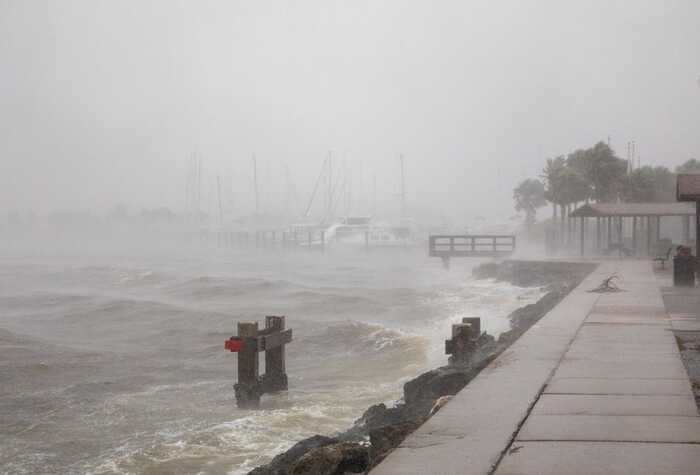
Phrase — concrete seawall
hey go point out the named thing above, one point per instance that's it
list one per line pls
(599, 375)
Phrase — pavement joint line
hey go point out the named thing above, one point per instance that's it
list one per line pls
(542, 390)
(639, 324)
(609, 441)
(620, 394)
(617, 379)
(617, 394)
(615, 415)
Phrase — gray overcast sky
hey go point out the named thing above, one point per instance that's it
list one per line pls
(103, 101)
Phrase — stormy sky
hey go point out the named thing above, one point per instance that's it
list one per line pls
(106, 101)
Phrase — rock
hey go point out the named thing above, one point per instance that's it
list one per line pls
(334, 459)
(379, 416)
(387, 438)
(281, 464)
(533, 274)
(443, 381)
(487, 270)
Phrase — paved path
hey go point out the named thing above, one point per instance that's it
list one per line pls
(595, 387)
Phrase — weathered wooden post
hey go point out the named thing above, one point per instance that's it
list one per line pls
(251, 341)
(463, 341)
(248, 389)
(275, 377)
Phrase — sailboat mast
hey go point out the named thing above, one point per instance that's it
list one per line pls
(218, 192)
(403, 189)
(255, 180)
(329, 203)
(374, 194)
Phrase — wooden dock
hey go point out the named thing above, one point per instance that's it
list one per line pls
(470, 245)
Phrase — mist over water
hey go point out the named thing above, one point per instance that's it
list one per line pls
(133, 133)
(114, 362)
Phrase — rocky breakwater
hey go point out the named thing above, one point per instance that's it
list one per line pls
(382, 428)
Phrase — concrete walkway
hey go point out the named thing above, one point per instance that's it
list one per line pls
(595, 387)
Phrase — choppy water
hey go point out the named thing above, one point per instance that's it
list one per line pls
(115, 363)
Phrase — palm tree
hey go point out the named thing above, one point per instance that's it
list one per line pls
(551, 175)
(529, 195)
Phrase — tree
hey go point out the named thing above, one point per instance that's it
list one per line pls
(529, 195)
(649, 184)
(601, 169)
(690, 166)
(551, 175)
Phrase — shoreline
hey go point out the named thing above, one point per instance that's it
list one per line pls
(380, 429)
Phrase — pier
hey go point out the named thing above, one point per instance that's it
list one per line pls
(271, 239)
(448, 246)
(597, 386)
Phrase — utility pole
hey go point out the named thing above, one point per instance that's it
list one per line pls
(630, 163)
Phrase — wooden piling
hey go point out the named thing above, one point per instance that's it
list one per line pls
(247, 389)
(475, 325)
(275, 377)
(463, 341)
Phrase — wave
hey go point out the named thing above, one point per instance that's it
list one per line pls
(206, 287)
(351, 351)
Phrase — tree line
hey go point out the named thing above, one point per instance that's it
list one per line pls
(595, 174)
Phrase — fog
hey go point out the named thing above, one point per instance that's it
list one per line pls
(107, 102)
(132, 243)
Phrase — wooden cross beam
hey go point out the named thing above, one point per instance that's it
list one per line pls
(249, 342)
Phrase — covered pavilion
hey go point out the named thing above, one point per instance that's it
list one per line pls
(646, 216)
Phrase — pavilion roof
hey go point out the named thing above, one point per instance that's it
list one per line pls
(600, 210)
